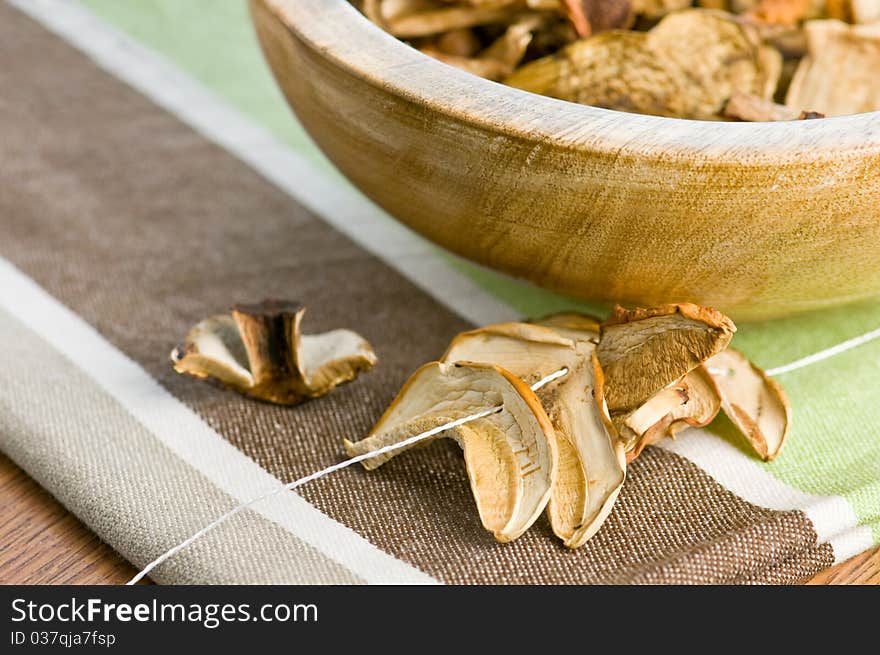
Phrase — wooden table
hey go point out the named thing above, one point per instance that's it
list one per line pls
(43, 543)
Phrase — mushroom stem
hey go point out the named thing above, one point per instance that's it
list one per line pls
(270, 332)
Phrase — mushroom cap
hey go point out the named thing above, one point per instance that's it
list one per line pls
(645, 350)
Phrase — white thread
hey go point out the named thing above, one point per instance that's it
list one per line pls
(792, 366)
(332, 469)
(849, 344)
(825, 354)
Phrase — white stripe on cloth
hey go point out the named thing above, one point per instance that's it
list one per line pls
(411, 441)
(189, 437)
(338, 204)
(832, 517)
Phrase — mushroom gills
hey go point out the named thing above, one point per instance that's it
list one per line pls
(591, 461)
(754, 402)
(572, 325)
(510, 455)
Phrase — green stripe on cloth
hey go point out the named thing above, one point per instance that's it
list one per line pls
(834, 447)
(212, 40)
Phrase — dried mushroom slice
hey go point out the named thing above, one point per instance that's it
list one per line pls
(510, 454)
(702, 406)
(593, 16)
(650, 422)
(864, 11)
(591, 463)
(531, 352)
(645, 350)
(510, 47)
(854, 11)
(722, 56)
(573, 325)
(746, 107)
(839, 74)
(416, 18)
(780, 12)
(499, 59)
(613, 70)
(259, 351)
(657, 9)
(770, 64)
(213, 349)
(755, 403)
(752, 108)
(692, 401)
(688, 66)
(458, 43)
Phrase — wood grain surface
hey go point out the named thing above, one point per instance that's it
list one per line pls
(862, 569)
(43, 543)
(755, 219)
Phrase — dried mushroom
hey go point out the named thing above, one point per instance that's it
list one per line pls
(573, 325)
(839, 75)
(530, 352)
(660, 370)
(648, 356)
(693, 401)
(258, 350)
(676, 58)
(755, 404)
(591, 466)
(414, 18)
(688, 66)
(645, 350)
(649, 423)
(510, 454)
(657, 9)
(593, 16)
(752, 108)
(780, 12)
(854, 11)
(702, 406)
(864, 11)
(495, 62)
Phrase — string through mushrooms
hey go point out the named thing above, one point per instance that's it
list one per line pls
(744, 60)
(631, 380)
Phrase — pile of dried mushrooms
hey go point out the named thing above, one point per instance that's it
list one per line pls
(749, 60)
(639, 376)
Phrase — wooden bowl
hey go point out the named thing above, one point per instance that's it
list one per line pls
(757, 219)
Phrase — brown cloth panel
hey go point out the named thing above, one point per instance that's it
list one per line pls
(143, 227)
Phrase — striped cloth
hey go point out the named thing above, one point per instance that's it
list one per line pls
(141, 192)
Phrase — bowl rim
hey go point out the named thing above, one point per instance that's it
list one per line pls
(341, 34)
